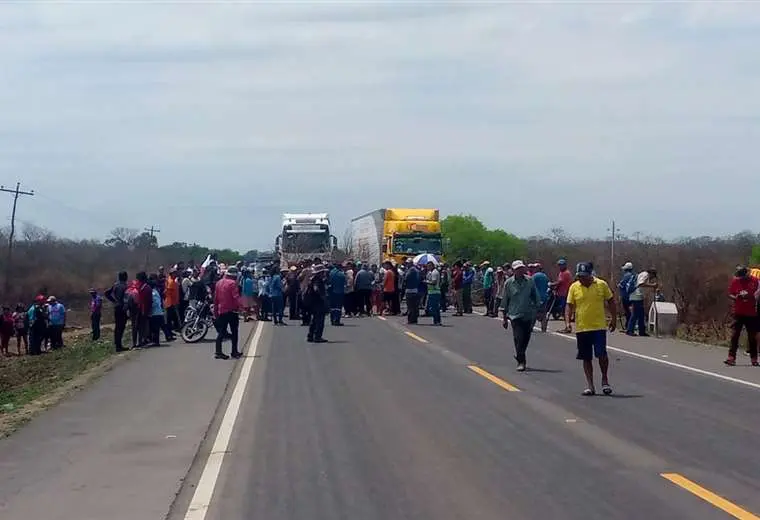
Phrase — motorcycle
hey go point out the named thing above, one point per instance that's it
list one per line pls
(201, 320)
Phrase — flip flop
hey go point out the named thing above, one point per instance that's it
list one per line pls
(588, 392)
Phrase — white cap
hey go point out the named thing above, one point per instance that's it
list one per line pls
(517, 264)
(627, 266)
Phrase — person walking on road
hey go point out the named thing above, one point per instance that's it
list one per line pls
(433, 283)
(226, 308)
(412, 283)
(587, 298)
(337, 289)
(277, 297)
(316, 300)
(743, 292)
(520, 304)
(117, 295)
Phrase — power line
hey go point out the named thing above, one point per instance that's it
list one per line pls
(152, 230)
(16, 194)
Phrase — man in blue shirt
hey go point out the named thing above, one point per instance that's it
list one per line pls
(625, 296)
(57, 316)
(277, 297)
(336, 292)
(541, 281)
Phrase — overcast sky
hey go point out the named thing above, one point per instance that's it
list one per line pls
(210, 120)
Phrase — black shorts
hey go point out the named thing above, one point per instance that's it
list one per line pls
(591, 343)
(388, 296)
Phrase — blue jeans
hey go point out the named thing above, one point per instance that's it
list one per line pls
(434, 306)
(336, 307)
(278, 308)
(638, 317)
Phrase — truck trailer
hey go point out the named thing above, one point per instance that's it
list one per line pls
(392, 234)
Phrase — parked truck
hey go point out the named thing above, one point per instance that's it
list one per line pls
(304, 236)
(392, 234)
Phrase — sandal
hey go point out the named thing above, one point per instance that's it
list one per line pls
(588, 392)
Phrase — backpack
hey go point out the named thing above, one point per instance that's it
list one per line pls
(131, 297)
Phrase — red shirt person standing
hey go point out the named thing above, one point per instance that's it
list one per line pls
(743, 291)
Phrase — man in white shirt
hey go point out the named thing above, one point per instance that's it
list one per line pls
(644, 280)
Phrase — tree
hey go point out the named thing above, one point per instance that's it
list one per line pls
(145, 241)
(121, 237)
(754, 259)
(467, 237)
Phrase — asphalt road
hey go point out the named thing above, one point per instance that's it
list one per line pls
(381, 424)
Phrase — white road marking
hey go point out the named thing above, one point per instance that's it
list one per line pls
(671, 364)
(201, 501)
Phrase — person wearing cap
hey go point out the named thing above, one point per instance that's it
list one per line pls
(226, 308)
(488, 282)
(644, 280)
(623, 285)
(520, 306)
(586, 299)
(562, 284)
(743, 292)
(96, 313)
(57, 315)
(315, 299)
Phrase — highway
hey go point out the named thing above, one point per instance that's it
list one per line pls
(407, 423)
(394, 422)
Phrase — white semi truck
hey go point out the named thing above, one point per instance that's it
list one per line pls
(305, 236)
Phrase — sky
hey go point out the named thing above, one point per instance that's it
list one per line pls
(209, 120)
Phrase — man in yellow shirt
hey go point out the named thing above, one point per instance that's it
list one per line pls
(587, 298)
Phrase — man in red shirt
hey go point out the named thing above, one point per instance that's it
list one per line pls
(744, 291)
(457, 278)
(226, 308)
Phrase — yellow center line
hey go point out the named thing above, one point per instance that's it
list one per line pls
(415, 336)
(709, 496)
(492, 378)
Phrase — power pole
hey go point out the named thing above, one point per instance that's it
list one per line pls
(9, 265)
(152, 230)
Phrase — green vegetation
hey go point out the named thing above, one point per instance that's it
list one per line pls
(26, 380)
(467, 237)
(754, 259)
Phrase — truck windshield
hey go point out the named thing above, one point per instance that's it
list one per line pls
(413, 245)
(318, 242)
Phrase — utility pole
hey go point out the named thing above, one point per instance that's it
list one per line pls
(9, 265)
(152, 230)
(612, 256)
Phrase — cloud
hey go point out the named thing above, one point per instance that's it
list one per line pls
(212, 119)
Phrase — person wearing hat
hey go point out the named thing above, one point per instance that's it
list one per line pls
(315, 300)
(226, 308)
(57, 316)
(587, 298)
(623, 285)
(520, 305)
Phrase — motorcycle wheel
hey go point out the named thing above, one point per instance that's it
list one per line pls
(194, 332)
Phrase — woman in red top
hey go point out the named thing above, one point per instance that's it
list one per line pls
(744, 291)
(389, 288)
(7, 329)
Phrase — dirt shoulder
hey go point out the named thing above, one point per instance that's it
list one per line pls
(31, 384)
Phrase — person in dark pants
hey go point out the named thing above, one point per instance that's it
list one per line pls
(363, 290)
(303, 284)
(337, 289)
(520, 304)
(316, 300)
(96, 312)
(38, 325)
(743, 292)
(57, 322)
(412, 282)
(292, 292)
(468, 277)
(117, 295)
(226, 309)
